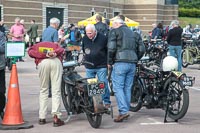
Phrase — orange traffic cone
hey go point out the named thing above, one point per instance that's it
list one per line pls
(13, 118)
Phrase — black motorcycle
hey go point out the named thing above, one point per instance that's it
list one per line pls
(156, 51)
(82, 95)
(160, 89)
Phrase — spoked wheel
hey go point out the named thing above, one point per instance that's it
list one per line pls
(66, 97)
(136, 97)
(184, 61)
(94, 120)
(178, 99)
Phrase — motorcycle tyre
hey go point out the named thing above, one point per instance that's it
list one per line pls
(184, 64)
(66, 100)
(137, 85)
(185, 99)
(94, 120)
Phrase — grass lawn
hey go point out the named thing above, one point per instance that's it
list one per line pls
(186, 20)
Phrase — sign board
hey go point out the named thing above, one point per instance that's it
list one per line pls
(15, 49)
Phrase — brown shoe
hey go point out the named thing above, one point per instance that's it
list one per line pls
(42, 121)
(57, 122)
(120, 118)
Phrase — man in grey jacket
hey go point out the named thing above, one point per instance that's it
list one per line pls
(2, 73)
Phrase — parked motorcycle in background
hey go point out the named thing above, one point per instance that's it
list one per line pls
(191, 52)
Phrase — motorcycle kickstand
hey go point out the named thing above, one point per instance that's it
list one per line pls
(166, 111)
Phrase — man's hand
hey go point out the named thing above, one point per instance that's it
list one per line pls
(51, 54)
(109, 66)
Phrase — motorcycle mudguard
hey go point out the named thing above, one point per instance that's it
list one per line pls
(71, 78)
(98, 104)
(97, 99)
(189, 58)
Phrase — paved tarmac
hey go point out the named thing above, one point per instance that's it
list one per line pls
(144, 121)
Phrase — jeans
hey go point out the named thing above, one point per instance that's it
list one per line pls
(176, 52)
(101, 74)
(122, 79)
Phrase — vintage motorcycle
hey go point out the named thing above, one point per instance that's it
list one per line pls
(190, 54)
(82, 95)
(156, 51)
(155, 88)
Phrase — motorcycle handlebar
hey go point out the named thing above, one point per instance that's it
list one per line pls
(86, 62)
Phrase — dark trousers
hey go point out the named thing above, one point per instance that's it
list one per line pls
(2, 90)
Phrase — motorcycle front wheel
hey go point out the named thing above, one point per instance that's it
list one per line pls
(66, 97)
(184, 57)
(178, 98)
(136, 97)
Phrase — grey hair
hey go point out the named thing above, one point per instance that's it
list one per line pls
(118, 20)
(54, 21)
(175, 22)
(90, 26)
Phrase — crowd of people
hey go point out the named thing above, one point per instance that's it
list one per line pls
(118, 46)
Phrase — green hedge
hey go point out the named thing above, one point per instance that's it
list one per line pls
(183, 12)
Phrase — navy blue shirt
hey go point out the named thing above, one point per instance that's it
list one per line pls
(95, 51)
(50, 34)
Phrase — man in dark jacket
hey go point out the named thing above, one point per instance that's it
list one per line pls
(125, 48)
(32, 32)
(100, 26)
(95, 49)
(174, 41)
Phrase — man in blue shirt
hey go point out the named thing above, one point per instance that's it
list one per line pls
(50, 34)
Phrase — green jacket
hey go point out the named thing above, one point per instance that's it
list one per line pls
(32, 31)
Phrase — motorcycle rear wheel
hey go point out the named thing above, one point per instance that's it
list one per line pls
(179, 99)
(94, 120)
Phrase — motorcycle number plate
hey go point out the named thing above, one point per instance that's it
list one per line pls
(96, 89)
(188, 81)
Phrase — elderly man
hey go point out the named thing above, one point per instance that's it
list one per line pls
(48, 58)
(125, 48)
(50, 34)
(174, 41)
(95, 49)
(17, 32)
